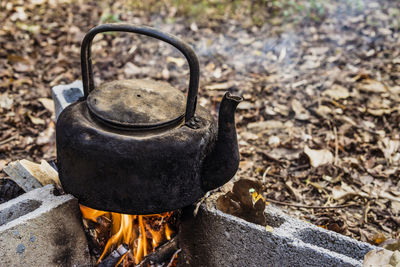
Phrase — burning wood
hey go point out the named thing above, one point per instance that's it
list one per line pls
(162, 254)
(115, 257)
(141, 233)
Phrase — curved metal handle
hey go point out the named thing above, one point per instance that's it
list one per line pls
(186, 50)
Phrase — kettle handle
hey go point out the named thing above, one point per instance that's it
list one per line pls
(184, 48)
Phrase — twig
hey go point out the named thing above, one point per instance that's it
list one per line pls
(336, 146)
(268, 157)
(171, 262)
(5, 141)
(310, 207)
(198, 204)
(365, 211)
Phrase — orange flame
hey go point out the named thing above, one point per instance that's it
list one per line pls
(132, 230)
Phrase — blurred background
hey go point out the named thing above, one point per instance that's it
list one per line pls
(319, 125)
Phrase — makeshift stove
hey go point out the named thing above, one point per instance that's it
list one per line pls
(132, 152)
(136, 178)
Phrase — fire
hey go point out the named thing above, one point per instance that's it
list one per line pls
(133, 230)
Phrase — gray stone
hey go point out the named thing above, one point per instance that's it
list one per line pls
(65, 95)
(41, 228)
(214, 238)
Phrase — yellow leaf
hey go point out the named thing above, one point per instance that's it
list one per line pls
(269, 228)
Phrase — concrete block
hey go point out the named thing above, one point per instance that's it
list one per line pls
(42, 228)
(65, 95)
(214, 238)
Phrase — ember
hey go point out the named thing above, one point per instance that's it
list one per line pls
(141, 233)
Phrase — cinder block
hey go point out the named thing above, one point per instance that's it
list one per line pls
(42, 228)
(65, 95)
(214, 238)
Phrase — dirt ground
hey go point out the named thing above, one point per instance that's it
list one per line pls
(319, 124)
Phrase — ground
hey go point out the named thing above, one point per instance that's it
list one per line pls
(319, 124)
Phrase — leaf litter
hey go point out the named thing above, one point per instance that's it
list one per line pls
(319, 126)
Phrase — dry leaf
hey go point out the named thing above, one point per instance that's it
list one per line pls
(372, 86)
(5, 101)
(131, 69)
(274, 141)
(3, 163)
(35, 120)
(248, 136)
(218, 86)
(318, 157)
(47, 136)
(337, 92)
(300, 111)
(47, 103)
(264, 125)
(177, 60)
(269, 228)
(376, 258)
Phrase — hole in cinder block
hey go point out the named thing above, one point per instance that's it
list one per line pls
(332, 241)
(17, 210)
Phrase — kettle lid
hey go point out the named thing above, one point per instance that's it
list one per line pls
(137, 104)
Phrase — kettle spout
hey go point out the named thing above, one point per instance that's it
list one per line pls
(223, 161)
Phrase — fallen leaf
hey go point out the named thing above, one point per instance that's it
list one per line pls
(274, 141)
(35, 120)
(5, 101)
(337, 92)
(176, 60)
(47, 136)
(318, 157)
(131, 69)
(264, 125)
(395, 259)
(248, 136)
(48, 104)
(300, 111)
(378, 238)
(372, 86)
(3, 163)
(218, 86)
(377, 257)
(269, 228)
(245, 105)
(323, 110)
